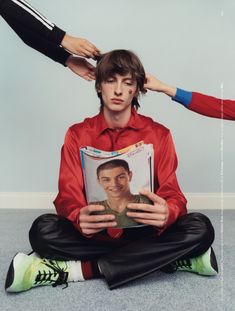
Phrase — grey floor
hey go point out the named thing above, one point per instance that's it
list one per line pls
(180, 291)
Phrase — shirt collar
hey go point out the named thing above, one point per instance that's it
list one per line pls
(134, 122)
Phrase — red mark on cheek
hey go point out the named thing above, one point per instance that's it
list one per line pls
(130, 91)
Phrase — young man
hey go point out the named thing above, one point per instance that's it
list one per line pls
(203, 104)
(42, 35)
(114, 177)
(75, 244)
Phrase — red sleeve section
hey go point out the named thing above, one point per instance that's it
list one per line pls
(169, 188)
(71, 197)
(213, 107)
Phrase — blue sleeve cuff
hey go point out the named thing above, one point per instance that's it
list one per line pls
(183, 97)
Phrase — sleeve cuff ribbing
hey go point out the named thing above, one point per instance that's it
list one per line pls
(183, 97)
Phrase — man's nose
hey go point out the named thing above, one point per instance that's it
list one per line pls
(113, 182)
(118, 89)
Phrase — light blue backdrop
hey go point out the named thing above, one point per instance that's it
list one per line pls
(185, 43)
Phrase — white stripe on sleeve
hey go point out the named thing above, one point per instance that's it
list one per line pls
(34, 13)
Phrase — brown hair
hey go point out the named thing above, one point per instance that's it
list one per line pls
(119, 62)
(112, 164)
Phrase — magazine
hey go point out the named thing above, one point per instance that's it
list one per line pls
(110, 177)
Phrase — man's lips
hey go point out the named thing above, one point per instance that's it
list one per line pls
(117, 100)
(116, 189)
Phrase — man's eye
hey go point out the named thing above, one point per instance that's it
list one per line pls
(129, 83)
(109, 81)
(105, 180)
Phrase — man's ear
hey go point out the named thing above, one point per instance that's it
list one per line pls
(130, 176)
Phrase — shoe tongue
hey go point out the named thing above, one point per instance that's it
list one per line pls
(115, 233)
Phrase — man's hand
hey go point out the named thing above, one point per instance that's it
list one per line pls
(153, 84)
(155, 215)
(81, 67)
(79, 46)
(91, 224)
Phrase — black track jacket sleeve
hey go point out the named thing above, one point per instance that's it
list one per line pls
(34, 29)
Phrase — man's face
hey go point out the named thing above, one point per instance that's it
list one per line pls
(115, 182)
(118, 92)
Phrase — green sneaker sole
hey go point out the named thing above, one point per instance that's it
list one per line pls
(10, 276)
(214, 261)
(209, 263)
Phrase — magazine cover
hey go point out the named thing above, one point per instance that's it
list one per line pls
(113, 179)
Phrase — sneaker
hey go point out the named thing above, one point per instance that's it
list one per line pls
(206, 264)
(26, 272)
(33, 254)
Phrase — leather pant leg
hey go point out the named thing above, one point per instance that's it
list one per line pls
(189, 237)
(54, 237)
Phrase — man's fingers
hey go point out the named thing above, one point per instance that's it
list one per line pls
(97, 225)
(87, 44)
(90, 67)
(140, 207)
(156, 208)
(88, 51)
(97, 218)
(94, 208)
(152, 196)
(81, 67)
(87, 78)
(155, 223)
(158, 217)
(92, 50)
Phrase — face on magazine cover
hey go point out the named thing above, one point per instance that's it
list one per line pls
(118, 91)
(115, 182)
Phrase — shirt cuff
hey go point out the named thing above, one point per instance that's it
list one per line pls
(172, 218)
(62, 56)
(183, 97)
(57, 35)
(74, 218)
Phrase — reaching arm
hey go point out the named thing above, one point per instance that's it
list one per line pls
(42, 35)
(206, 105)
(197, 102)
(34, 29)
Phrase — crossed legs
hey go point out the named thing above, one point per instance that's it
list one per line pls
(138, 253)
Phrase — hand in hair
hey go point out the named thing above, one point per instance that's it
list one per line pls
(80, 46)
(81, 67)
(153, 84)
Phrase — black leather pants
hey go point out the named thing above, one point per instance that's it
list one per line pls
(137, 253)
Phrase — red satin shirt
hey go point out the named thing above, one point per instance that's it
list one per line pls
(96, 133)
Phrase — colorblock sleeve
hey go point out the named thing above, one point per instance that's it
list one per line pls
(206, 105)
(34, 29)
(168, 187)
(213, 107)
(71, 197)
